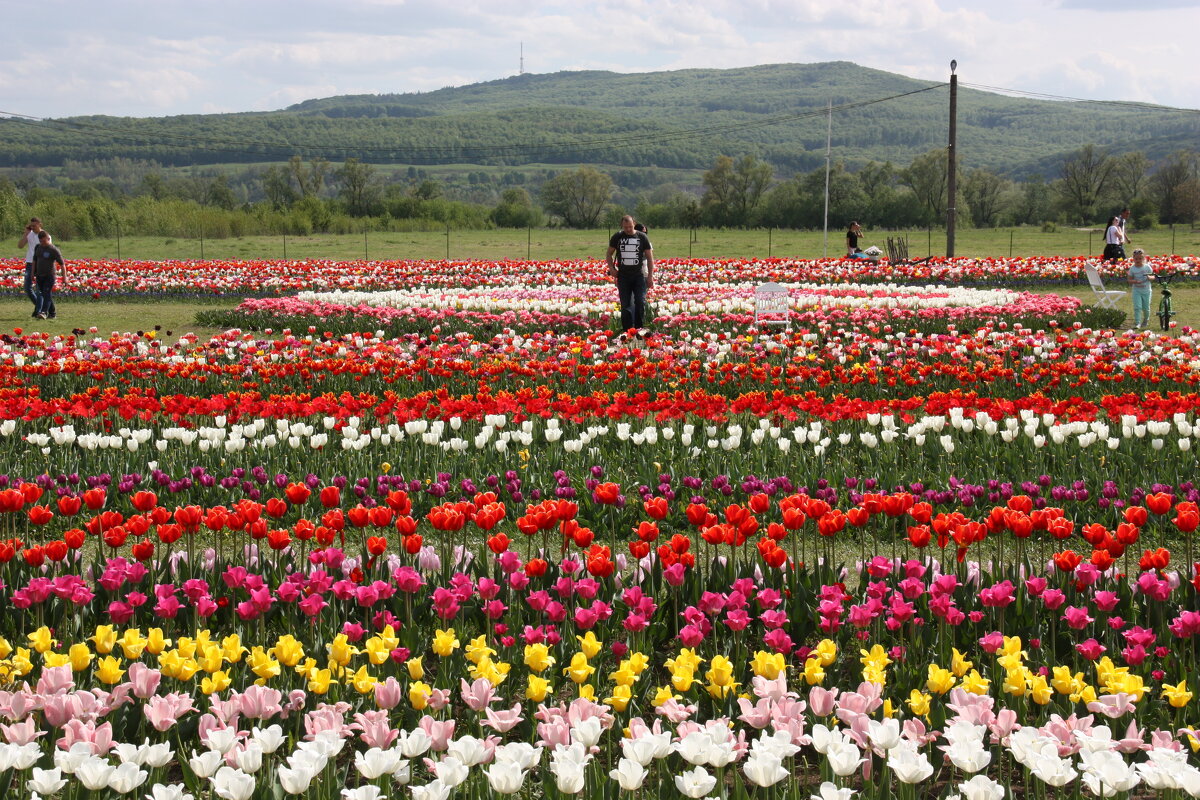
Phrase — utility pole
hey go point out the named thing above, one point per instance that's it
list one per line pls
(828, 143)
(951, 175)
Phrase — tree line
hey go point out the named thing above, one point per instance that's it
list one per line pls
(301, 197)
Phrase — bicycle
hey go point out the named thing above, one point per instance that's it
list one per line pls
(1165, 308)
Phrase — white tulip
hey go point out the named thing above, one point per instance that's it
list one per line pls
(232, 784)
(629, 774)
(47, 781)
(505, 777)
(695, 783)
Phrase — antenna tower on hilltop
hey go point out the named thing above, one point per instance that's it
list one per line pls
(521, 69)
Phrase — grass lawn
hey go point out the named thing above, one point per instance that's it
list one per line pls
(548, 244)
(176, 316)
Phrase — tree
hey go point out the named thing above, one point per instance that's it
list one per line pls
(1129, 175)
(515, 210)
(219, 194)
(277, 186)
(733, 189)
(357, 187)
(1086, 182)
(982, 191)
(1176, 187)
(1034, 206)
(427, 190)
(926, 176)
(310, 180)
(578, 196)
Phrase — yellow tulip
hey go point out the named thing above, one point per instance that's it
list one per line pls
(389, 638)
(418, 695)
(288, 651)
(233, 649)
(623, 676)
(108, 670)
(1178, 696)
(662, 695)
(1063, 681)
(21, 663)
(362, 681)
(1016, 683)
(155, 642)
(814, 675)
(537, 688)
(51, 660)
(875, 675)
(768, 665)
(940, 680)
(975, 683)
(719, 692)
(211, 658)
(918, 703)
(638, 662)
(959, 664)
(132, 643)
(589, 644)
(1039, 690)
(377, 651)
(445, 642)
(877, 657)
(319, 681)
(682, 679)
(219, 681)
(826, 651)
(416, 668)
(538, 658)
(41, 640)
(262, 665)
(587, 692)
(186, 646)
(477, 649)
(105, 639)
(340, 650)
(81, 657)
(619, 701)
(579, 670)
(5, 648)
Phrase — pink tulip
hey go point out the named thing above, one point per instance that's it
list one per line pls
(388, 693)
(145, 679)
(478, 695)
(1077, 617)
(163, 711)
(504, 720)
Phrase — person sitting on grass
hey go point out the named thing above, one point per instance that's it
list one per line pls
(45, 256)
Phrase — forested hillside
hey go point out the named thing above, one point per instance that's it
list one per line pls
(679, 119)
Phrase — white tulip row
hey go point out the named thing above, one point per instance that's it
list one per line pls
(455, 436)
(705, 298)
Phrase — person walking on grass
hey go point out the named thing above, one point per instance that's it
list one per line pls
(45, 257)
(1140, 274)
(29, 240)
(628, 251)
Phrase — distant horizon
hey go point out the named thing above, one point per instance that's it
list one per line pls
(137, 58)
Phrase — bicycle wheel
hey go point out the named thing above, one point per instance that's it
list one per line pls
(1165, 313)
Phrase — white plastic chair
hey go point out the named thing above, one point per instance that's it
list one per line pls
(1105, 298)
(772, 305)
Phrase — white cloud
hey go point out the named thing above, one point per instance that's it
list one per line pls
(138, 57)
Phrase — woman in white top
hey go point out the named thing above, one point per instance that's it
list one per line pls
(1113, 241)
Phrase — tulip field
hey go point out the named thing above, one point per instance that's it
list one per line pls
(437, 529)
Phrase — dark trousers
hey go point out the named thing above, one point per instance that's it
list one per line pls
(45, 294)
(631, 290)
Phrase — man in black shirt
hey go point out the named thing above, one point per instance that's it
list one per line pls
(626, 252)
(45, 257)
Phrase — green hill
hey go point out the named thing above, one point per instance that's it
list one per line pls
(679, 120)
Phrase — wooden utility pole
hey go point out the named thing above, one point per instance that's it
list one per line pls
(951, 175)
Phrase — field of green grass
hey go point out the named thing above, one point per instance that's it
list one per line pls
(552, 243)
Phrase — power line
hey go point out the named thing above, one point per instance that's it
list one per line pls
(1130, 104)
(243, 146)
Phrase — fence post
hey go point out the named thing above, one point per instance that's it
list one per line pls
(1172, 239)
(770, 233)
(285, 246)
(447, 241)
(929, 241)
(364, 242)
(1010, 243)
(201, 242)
(119, 241)
(528, 242)
(1089, 243)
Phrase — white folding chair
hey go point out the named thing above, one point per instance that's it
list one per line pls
(1105, 298)
(772, 305)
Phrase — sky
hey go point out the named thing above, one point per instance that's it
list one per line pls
(163, 57)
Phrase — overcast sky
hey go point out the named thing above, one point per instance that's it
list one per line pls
(162, 57)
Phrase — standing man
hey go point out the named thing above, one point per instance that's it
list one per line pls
(45, 256)
(29, 240)
(626, 252)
